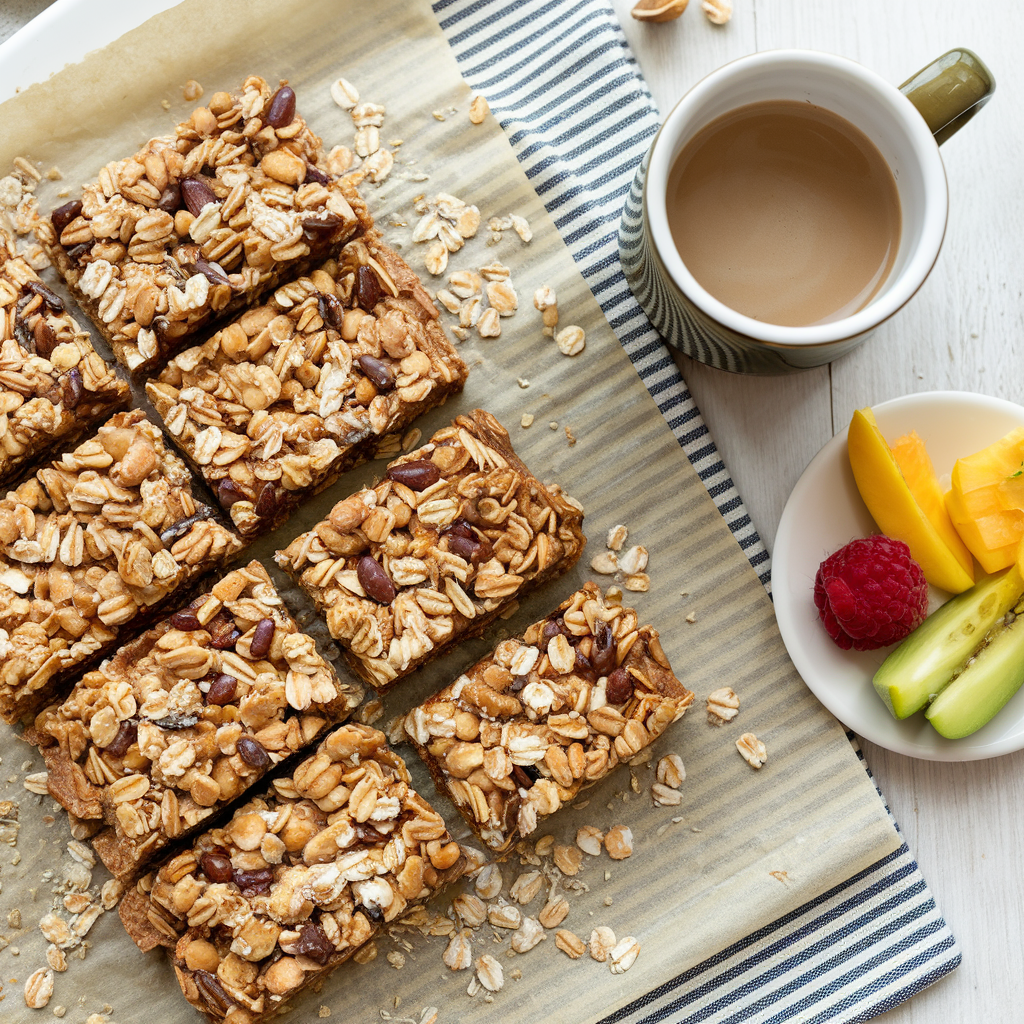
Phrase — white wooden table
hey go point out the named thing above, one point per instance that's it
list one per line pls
(963, 331)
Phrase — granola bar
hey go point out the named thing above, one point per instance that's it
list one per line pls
(452, 536)
(276, 405)
(53, 384)
(199, 224)
(542, 717)
(187, 717)
(98, 540)
(297, 881)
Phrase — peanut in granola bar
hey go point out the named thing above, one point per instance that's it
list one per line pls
(91, 546)
(187, 717)
(544, 716)
(454, 534)
(275, 406)
(53, 384)
(199, 224)
(299, 880)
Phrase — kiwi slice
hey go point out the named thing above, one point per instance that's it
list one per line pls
(992, 675)
(938, 650)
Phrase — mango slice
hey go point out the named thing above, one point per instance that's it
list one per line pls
(893, 506)
(986, 501)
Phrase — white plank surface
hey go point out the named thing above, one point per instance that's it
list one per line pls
(964, 330)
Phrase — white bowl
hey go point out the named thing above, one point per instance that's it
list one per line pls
(823, 513)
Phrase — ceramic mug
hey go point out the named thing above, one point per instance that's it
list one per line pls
(906, 124)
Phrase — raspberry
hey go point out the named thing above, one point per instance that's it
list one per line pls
(870, 593)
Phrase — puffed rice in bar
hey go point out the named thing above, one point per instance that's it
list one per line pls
(91, 546)
(276, 405)
(199, 224)
(186, 718)
(454, 534)
(53, 383)
(297, 882)
(544, 716)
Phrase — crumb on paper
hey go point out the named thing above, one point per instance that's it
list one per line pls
(527, 420)
(570, 437)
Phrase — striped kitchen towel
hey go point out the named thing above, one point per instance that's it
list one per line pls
(561, 80)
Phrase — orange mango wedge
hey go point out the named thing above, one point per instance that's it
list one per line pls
(986, 501)
(898, 512)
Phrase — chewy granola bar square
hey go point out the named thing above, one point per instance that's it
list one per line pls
(545, 715)
(53, 383)
(454, 534)
(91, 545)
(187, 717)
(297, 882)
(280, 402)
(199, 224)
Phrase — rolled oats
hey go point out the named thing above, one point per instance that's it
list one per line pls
(557, 709)
(571, 340)
(665, 796)
(490, 973)
(638, 583)
(504, 915)
(38, 988)
(344, 93)
(529, 934)
(618, 841)
(187, 717)
(723, 705)
(478, 109)
(570, 943)
(455, 532)
(590, 839)
(489, 326)
(605, 563)
(602, 942)
(623, 955)
(489, 881)
(356, 847)
(203, 222)
(752, 750)
(670, 771)
(554, 912)
(718, 12)
(96, 539)
(568, 859)
(458, 955)
(526, 887)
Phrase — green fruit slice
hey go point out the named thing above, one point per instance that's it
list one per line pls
(929, 658)
(989, 680)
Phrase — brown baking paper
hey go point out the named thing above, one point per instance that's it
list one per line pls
(745, 847)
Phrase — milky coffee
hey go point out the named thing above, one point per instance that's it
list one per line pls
(785, 212)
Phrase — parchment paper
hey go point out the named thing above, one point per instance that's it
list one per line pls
(748, 846)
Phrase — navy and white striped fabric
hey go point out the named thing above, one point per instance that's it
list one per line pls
(562, 82)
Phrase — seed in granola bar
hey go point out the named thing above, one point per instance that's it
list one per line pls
(620, 686)
(368, 291)
(196, 193)
(379, 373)
(222, 690)
(282, 108)
(216, 865)
(374, 580)
(64, 215)
(252, 753)
(417, 475)
(127, 734)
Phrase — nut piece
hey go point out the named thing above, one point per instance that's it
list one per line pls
(478, 109)
(570, 943)
(752, 750)
(622, 957)
(619, 842)
(602, 941)
(571, 340)
(658, 10)
(718, 12)
(723, 705)
(38, 988)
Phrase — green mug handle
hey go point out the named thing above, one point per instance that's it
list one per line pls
(950, 91)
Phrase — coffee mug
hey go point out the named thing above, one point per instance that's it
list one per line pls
(907, 125)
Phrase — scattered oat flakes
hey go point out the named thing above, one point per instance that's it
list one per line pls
(527, 420)
(379, 165)
(665, 796)
(36, 783)
(478, 109)
(718, 12)
(723, 705)
(624, 955)
(526, 887)
(56, 958)
(605, 563)
(522, 382)
(589, 839)
(459, 954)
(396, 959)
(570, 437)
(489, 325)
(436, 258)
(553, 425)
(554, 912)
(38, 988)
(324, 1011)
(617, 537)
(502, 297)
(365, 953)
(504, 915)
(529, 934)
(619, 842)
(752, 750)
(568, 859)
(639, 582)
(570, 943)
(489, 881)
(489, 971)
(522, 228)
(634, 560)
(602, 942)
(670, 771)
(571, 340)
(344, 93)
(692, 617)
(191, 91)
(495, 272)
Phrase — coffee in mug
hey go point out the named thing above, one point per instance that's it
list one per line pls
(785, 212)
